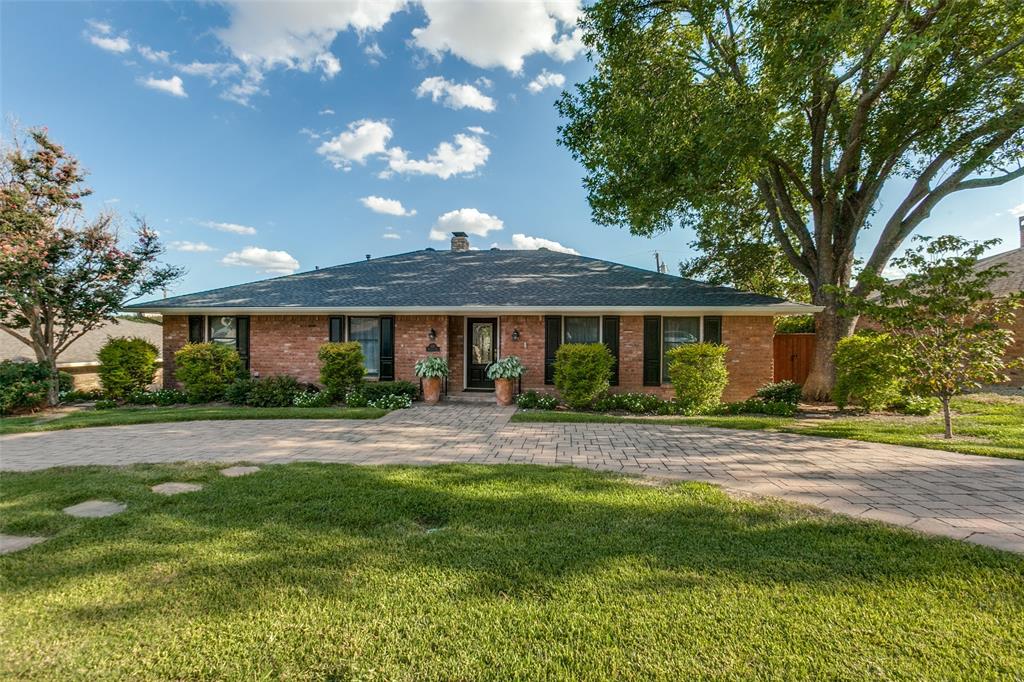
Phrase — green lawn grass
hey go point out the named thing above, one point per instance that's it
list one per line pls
(312, 571)
(153, 415)
(983, 425)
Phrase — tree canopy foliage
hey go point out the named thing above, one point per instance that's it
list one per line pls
(725, 114)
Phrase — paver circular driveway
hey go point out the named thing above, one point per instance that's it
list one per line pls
(980, 499)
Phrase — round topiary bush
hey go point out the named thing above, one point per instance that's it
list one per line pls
(698, 375)
(127, 365)
(583, 373)
(206, 370)
(341, 368)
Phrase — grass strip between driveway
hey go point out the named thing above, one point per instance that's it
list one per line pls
(155, 415)
(325, 571)
(982, 426)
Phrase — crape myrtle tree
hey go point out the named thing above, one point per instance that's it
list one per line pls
(950, 331)
(61, 276)
(723, 114)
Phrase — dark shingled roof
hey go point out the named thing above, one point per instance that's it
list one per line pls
(451, 279)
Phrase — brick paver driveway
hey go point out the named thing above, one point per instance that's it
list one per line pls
(980, 499)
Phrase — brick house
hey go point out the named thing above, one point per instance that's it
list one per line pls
(473, 307)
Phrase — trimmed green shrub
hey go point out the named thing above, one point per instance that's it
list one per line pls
(75, 395)
(24, 385)
(868, 372)
(273, 391)
(341, 368)
(164, 397)
(126, 365)
(531, 400)
(237, 393)
(375, 390)
(312, 399)
(795, 324)
(105, 404)
(698, 375)
(582, 373)
(634, 403)
(206, 370)
(781, 392)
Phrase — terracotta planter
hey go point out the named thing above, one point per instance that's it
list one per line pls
(503, 389)
(431, 390)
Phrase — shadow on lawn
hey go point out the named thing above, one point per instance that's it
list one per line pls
(517, 532)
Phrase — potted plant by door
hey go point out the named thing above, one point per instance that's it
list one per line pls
(505, 372)
(431, 371)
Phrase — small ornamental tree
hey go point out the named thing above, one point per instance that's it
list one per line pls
(950, 329)
(60, 276)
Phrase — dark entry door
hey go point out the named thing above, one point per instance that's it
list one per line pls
(481, 351)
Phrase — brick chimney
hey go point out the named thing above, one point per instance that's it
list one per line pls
(460, 241)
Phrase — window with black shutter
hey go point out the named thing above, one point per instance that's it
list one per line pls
(242, 339)
(196, 329)
(387, 349)
(712, 329)
(336, 329)
(652, 351)
(552, 340)
(610, 334)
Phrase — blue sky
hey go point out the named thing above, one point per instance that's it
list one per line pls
(261, 138)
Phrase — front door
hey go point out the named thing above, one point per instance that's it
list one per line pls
(481, 351)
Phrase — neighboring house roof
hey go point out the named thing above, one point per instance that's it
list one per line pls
(1013, 262)
(467, 280)
(85, 348)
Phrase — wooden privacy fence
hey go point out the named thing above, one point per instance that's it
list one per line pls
(793, 353)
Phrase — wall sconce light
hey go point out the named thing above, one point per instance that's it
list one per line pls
(515, 334)
(432, 335)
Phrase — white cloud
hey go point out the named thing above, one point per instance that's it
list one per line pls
(386, 206)
(464, 156)
(545, 79)
(374, 53)
(467, 220)
(526, 243)
(1017, 210)
(192, 247)
(172, 86)
(119, 45)
(279, 262)
(390, 234)
(156, 56)
(501, 32)
(100, 26)
(477, 130)
(295, 35)
(454, 95)
(326, 112)
(244, 90)
(212, 71)
(234, 228)
(329, 64)
(362, 139)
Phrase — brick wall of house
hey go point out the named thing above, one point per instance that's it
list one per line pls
(529, 348)
(456, 352)
(411, 341)
(175, 336)
(287, 344)
(750, 359)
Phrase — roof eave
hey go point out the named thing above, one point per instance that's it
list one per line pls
(785, 308)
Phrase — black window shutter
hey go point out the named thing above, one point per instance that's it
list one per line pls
(652, 351)
(552, 340)
(713, 329)
(387, 349)
(610, 334)
(336, 329)
(242, 339)
(195, 328)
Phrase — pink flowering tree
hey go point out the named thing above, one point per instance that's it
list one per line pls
(61, 275)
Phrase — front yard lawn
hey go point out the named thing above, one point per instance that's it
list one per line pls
(982, 425)
(313, 571)
(152, 415)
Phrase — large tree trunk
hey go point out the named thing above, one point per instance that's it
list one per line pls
(829, 329)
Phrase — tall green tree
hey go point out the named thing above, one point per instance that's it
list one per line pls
(811, 107)
(60, 275)
(949, 330)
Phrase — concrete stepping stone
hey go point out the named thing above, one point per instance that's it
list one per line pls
(94, 509)
(176, 488)
(235, 472)
(15, 543)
